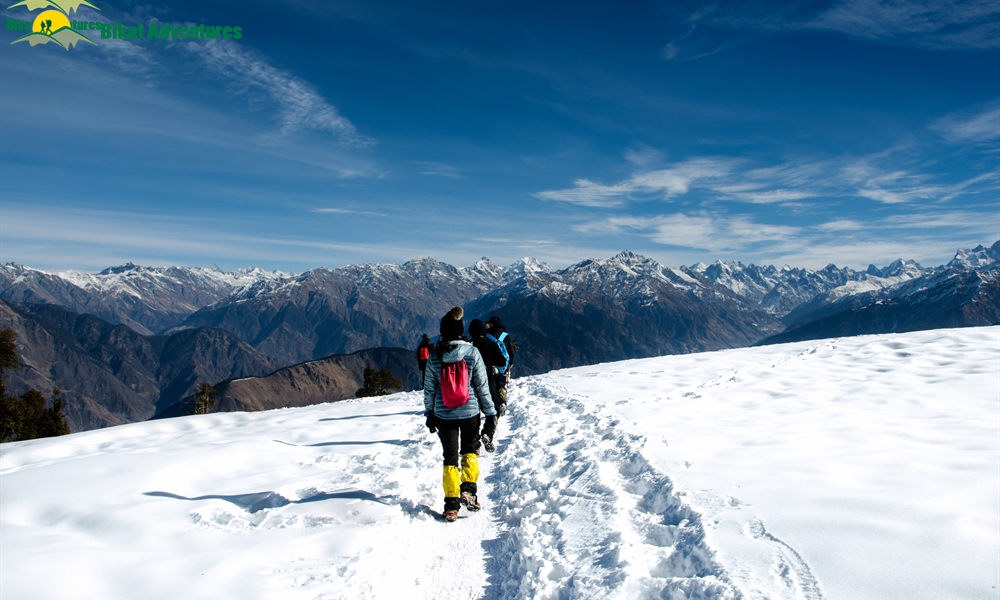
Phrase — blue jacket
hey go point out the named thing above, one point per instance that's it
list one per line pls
(479, 388)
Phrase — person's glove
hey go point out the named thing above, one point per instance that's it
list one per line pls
(490, 427)
(430, 421)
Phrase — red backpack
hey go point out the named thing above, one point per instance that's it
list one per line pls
(425, 353)
(454, 384)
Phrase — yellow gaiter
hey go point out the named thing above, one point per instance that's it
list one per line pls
(450, 480)
(470, 468)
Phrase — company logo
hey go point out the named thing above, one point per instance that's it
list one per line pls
(54, 25)
(51, 25)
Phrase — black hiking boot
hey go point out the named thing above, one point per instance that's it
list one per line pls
(451, 506)
(470, 502)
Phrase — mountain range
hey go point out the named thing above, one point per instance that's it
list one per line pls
(149, 334)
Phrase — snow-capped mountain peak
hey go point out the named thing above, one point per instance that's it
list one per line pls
(976, 258)
(525, 266)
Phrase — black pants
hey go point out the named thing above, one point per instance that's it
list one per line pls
(452, 431)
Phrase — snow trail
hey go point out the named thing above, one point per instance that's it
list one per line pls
(585, 515)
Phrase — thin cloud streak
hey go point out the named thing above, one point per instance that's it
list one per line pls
(970, 126)
(932, 24)
(86, 112)
(701, 231)
(84, 234)
(347, 211)
(438, 168)
(734, 181)
(300, 106)
(667, 183)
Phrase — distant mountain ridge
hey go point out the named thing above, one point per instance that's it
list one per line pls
(149, 300)
(250, 322)
(111, 375)
(780, 291)
(340, 311)
(626, 306)
(963, 293)
(328, 379)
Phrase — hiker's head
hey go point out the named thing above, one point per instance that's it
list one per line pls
(452, 326)
(495, 322)
(477, 328)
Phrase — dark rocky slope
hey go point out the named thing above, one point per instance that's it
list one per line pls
(326, 380)
(110, 374)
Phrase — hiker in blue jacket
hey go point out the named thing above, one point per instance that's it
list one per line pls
(494, 359)
(497, 334)
(456, 390)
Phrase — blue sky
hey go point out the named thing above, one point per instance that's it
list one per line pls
(333, 133)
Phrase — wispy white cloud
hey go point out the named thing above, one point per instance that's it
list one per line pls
(667, 183)
(930, 23)
(735, 180)
(972, 126)
(841, 225)
(128, 57)
(300, 106)
(772, 196)
(86, 238)
(876, 189)
(438, 169)
(937, 24)
(347, 211)
(644, 157)
(983, 224)
(713, 232)
(588, 193)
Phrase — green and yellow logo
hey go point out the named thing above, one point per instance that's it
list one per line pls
(53, 24)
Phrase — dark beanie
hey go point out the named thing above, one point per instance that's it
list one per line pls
(452, 327)
(495, 322)
(476, 328)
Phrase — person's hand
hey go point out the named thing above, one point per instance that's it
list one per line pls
(489, 429)
(431, 423)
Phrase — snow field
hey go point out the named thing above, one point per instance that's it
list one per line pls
(287, 504)
(853, 468)
(865, 467)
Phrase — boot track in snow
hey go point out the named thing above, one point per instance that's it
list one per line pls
(583, 514)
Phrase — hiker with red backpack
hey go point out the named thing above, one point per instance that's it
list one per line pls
(423, 353)
(456, 390)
